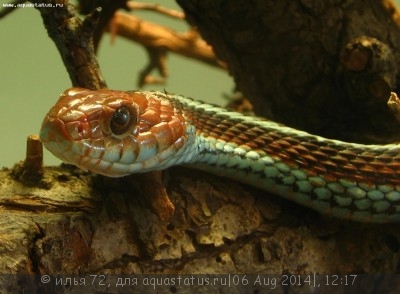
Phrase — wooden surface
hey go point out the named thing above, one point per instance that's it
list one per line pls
(80, 223)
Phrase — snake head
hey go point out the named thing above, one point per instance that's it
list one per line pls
(113, 133)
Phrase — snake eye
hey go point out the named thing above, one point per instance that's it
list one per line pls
(122, 120)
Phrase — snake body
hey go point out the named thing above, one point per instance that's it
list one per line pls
(117, 133)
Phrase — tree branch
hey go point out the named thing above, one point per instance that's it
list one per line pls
(73, 39)
(285, 57)
(188, 44)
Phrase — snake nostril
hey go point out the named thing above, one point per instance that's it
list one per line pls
(79, 129)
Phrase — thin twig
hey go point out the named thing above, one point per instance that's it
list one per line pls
(33, 164)
(133, 5)
(157, 61)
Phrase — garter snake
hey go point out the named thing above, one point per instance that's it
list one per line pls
(117, 133)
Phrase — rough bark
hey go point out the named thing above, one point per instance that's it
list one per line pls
(65, 28)
(74, 222)
(290, 58)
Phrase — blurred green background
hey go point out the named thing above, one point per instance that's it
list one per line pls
(32, 75)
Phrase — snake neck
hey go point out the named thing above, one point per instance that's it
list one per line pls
(351, 181)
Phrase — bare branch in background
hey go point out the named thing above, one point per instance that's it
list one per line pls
(133, 5)
(157, 61)
(159, 40)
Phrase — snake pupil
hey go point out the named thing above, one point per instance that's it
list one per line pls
(121, 120)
